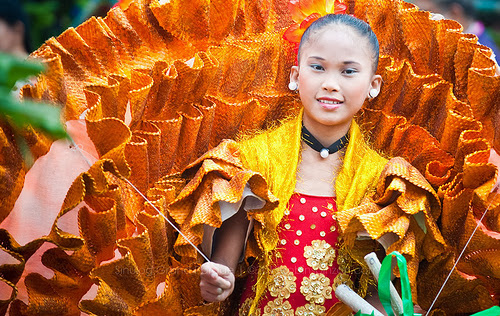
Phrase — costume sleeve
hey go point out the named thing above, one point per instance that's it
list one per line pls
(217, 178)
(248, 202)
(404, 205)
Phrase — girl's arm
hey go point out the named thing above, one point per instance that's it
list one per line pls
(217, 276)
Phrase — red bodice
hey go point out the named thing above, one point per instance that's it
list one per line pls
(303, 275)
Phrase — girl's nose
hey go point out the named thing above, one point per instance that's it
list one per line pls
(330, 84)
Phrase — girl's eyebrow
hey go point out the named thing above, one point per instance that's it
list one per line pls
(316, 57)
(347, 62)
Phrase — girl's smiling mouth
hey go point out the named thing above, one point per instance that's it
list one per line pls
(330, 103)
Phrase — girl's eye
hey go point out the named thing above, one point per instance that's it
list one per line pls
(317, 67)
(350, 71)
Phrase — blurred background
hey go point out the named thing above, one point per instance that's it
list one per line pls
(34, 21)
(51, 17)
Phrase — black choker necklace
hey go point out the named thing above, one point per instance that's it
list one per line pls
(312, 142)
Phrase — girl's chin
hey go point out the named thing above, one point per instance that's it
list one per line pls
(332, 123)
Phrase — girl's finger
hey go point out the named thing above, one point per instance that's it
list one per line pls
(213, 282)
(209, 271)
(219, 282)
(211, 289)
(223, 283)
(223, 271)
(214, 298)
(216, 281)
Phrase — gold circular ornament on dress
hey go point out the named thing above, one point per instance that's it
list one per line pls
(316, 288)
(342, 278)
(278, 307)
(320, 255)
(310, 310)
(282, 283)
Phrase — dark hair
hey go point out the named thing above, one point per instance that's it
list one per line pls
(361, 27)
(12, 12)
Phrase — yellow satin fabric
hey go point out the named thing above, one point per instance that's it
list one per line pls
(275, 154)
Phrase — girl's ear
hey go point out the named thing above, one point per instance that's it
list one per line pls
(294, 74)
(375, 86)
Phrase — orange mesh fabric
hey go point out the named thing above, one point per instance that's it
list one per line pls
(161, 84)
(220, 177)
(12, 170)
(383, 214)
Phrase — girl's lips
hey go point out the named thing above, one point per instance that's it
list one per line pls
(330, 104)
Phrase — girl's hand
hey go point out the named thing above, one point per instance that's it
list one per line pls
(217, 282)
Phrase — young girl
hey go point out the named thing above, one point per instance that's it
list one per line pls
(323, 173)
(151, 88)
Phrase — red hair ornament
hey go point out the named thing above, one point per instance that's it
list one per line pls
(305, 12)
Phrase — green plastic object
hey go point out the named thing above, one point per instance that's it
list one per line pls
(360, 314)
(385, 296)
(384, 280)
(494, 311)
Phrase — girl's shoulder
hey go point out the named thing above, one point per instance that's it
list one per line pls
(276, 145)
(280, 131)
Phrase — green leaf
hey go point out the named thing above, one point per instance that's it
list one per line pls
(39, 115)
(14, 69)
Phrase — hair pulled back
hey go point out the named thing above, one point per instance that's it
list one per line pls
(359, 26)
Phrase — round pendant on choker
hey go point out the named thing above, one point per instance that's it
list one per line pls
(324, 152)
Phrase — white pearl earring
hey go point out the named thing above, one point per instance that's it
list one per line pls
(373, 93)
(293, 86)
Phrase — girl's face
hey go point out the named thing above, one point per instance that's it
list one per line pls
(334, 75)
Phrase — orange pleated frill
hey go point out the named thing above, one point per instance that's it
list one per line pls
(158, 84)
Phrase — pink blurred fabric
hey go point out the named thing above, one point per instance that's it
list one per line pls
(45, 188)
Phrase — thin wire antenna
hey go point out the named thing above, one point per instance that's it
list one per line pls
(166, 219)
(79, 150)
(461, 253)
